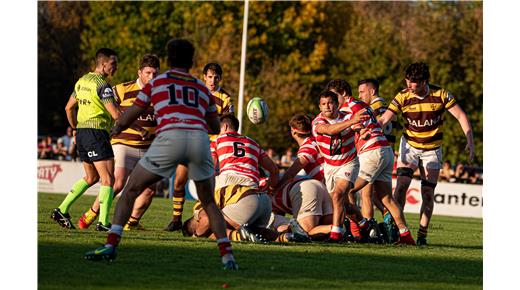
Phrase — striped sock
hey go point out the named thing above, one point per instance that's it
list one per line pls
(282, 238)
(235, 236)
(423, 232)
(114, 236)
(178, 205)
(132, 221)
(225, 249)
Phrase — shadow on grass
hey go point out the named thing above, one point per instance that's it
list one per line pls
(197, 266)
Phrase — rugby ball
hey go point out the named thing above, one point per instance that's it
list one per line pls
(257, 110)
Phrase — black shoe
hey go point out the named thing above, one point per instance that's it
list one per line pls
(63, 219)
(247, 235)
(174, 225)
(102, 228)
(374, 236)
(421, 242)
(298, 234)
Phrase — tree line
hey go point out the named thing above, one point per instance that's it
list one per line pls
(293, 50)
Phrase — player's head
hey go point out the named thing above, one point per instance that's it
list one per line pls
(367, 89)
(180, 53)
(229, 122)
(417, 76)
(106, 61)
(328, 104)
(212, 75)
(341, 87)
(300, 125)
(189, 227)
(148, 68)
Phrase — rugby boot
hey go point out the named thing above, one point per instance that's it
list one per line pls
(298, 233)
(63, 219)
(85, 221)
(231, 265)
(102, 228)
(247, 235)
(174, 225)
(421, 242)
(129, 226)
(101, 253)
(406, 239)
(374, 235)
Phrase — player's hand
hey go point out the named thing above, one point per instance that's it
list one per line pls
(115, 130)
(360, 116)
(364, 134)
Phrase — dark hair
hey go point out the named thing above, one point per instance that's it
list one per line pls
(187, 228)
(340, 85)
(103, 54)
(417, 71)
(180, 53)
(149, 60)
(328, 94)
(373, 82)
(302, 123)
(231, 120)
(214, 67)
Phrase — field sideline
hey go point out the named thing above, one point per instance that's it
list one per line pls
(155, 259)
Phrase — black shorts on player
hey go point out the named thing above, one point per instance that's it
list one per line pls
(93, 145)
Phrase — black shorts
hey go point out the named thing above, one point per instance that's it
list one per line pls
(93, 145)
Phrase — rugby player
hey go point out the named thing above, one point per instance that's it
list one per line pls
(212, 76)
(376, 159)
(335, 138)
(185, 111)
(422, 105)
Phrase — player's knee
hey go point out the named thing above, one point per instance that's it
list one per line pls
(405, 171)
(92, 179)
(428, 185)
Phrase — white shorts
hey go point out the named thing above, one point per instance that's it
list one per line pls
(223, 180)
(254, 210)
(376, 164)
(410, 156)
(126, 156)
(175, 147)
(310, 197)
(348, 172)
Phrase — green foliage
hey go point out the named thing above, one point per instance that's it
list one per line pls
(155, 259)
(293, 49)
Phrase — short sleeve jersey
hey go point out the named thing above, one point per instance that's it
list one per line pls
(338, 149)
(180, 101)
(92, 91)
(125, 95)
(379, 107)
(423, 117)
(224, 105)
(238, 155)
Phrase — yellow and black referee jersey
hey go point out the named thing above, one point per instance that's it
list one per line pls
(423, 117)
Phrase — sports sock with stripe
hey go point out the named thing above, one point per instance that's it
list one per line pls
(178, 204)
(77, 190)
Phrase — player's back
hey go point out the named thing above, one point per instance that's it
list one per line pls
(238, 155)
(180, 101)
(314, 167)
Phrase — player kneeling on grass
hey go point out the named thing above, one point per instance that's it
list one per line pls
(185, 114)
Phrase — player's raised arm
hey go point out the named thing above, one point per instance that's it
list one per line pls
(333, 129)
(127, 118)
(461, 116)
(386, 117)
(298, 164)
(270, 166)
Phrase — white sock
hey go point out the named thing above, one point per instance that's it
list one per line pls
(336, 229)
(403, 230)
(117, 229)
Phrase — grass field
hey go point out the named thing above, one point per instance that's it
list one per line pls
(155, 259)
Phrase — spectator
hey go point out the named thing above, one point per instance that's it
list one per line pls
(45, 148)
(60, 151)
(287, 159)
(447, 174)
(69, 144)
(272, 154)
(461, 175)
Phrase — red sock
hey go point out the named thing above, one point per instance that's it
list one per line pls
(225, 248)
(113, 239)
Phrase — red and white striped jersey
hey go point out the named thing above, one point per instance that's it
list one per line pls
(180, 101)
(338, 149)
(377, 137)
(309, 151)
(238, 155)
(281, 201)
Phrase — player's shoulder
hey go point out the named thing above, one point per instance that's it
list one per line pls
(437, 91)
(224, 93)
(126, 86)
